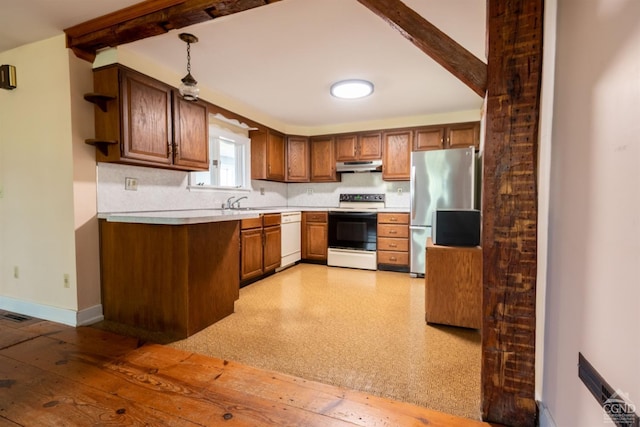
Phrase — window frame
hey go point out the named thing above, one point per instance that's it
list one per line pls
(217, 133)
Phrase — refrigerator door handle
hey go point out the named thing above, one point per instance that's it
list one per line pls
(413, 192)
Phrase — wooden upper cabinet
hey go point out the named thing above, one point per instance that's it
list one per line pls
(267, 155)
(463, 135)
(297, 159)
(455, 135)
(346, 147)
(428, 138)
(323, 161)
(370, 146)
(362, 146)
(396, 164)
(147, 124)
(142, 121)
(191, 148)
(276, 156)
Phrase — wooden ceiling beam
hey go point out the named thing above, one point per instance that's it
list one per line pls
(147, 19)
(428, 38)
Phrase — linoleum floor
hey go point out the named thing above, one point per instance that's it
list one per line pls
(363, 330)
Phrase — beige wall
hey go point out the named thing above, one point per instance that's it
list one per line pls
(84, 184)
(37, 157)
(593, 288)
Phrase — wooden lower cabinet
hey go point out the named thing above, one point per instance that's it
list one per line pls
(393, 241)
(260, 242)
(315, 236)
(272, 247)
(171, 279)
(453, 285)
(252, 252)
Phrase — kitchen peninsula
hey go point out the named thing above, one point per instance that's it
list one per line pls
(174, 272)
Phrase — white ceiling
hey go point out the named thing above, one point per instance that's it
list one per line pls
(281, 59)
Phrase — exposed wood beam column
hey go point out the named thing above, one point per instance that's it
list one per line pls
(147, 19)
(428, 38)
(510, 211)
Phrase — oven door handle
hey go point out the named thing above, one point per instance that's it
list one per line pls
(353, 214)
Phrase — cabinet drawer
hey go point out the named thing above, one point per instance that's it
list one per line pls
(391, 257)
(316, 216)
(393, 218)
(393, 244)
(271, 219)
(393, 230)
(251, 223)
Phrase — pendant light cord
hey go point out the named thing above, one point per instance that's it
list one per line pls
(188, 58)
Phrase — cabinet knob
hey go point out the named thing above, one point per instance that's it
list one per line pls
(393, 245)
(393, 232)
(392, 258)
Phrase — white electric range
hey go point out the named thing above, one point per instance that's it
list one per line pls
(353, 231)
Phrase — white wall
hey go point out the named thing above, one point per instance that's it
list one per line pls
(37, 217)
(593, 286)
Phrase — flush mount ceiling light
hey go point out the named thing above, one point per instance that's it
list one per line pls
(189, 87)
(352, 89)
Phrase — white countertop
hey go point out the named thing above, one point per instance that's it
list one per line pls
(197, 216)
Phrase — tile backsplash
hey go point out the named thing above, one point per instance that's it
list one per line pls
(160, 189)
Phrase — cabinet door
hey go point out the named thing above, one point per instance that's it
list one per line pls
(191, 147)
(251, 253)
(428, 138)
(315, 241)
(275, 156)
(272, 248)
(370, 146)
(146, 119)
(346, 148)
(323, 163)
(463, 135)
(314, 237)
(297, 159)
(396, 164)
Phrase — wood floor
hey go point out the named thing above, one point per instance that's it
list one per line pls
(51, 374)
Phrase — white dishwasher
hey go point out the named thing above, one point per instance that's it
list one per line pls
(290, 238)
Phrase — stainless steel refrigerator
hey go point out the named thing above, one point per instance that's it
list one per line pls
(440, 179)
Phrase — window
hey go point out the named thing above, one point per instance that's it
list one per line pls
(229, 162)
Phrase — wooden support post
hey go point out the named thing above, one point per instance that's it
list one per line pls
(510, 211)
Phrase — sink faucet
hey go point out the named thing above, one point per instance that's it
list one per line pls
(237, 202)
(229, 204)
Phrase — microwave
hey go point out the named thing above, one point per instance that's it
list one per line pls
(456, 227)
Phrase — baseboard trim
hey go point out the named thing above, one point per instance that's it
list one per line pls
(53, 314)
(90, 315)
(544, 416)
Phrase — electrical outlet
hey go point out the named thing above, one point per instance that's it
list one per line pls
(399, 190)
(66, 280)
(131, 184)
(16, 272)
(309, 191)
(262, 191)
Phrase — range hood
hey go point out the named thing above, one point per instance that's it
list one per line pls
(359, 166)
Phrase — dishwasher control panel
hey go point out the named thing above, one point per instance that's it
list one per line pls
(291, 217)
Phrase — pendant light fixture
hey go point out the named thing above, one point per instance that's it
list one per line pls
(189, 87)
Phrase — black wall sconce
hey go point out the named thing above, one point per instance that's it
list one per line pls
(7, 77)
